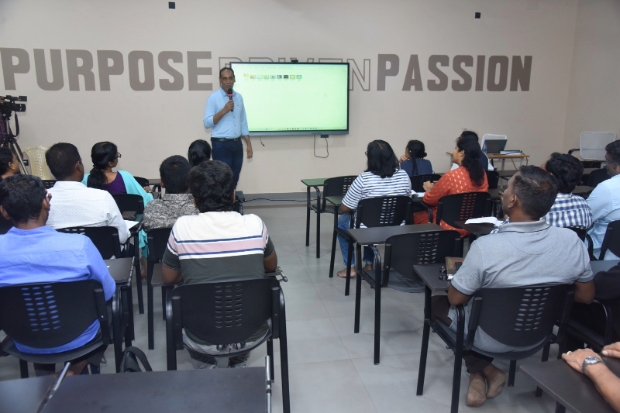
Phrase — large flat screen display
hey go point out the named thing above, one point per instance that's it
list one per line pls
(294, 98)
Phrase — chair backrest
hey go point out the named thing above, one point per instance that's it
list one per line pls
(592, 144)
(417, 181)
(49, 315)
(142, 181)
(611, 241)
(461, 207)
(581, 233)
(225, 312)
(337, 186)
(48, 183)
(157, 241)
(404, 251)
(105, 239)
(383, 211)
(598, 176)
(129, 202)
(492, 179)
(520, 316)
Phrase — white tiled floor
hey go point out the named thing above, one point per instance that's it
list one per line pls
(331, 368)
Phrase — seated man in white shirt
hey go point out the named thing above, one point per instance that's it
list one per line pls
(76, 205)
(605, 200)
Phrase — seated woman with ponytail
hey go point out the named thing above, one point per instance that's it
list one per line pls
(105, 156)
(413, 161)
(198, 152)
(468, 177)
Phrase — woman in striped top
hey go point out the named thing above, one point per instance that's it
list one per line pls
(382, 178)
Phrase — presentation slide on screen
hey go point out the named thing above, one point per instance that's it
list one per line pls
(293, 97)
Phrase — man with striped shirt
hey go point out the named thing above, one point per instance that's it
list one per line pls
(568, 210)
(217, 244)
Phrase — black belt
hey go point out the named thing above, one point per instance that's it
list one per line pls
(225, 139)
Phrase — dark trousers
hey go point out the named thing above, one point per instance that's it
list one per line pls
(475, 362)
(231, 153)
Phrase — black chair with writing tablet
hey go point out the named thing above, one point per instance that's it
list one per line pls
(373, 212)
(337, 186)
(47, 315)
(402, 252)
(227, 312)
(527, 320)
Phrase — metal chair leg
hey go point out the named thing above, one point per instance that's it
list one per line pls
(511, 373)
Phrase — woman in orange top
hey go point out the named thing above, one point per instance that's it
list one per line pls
(468, 177)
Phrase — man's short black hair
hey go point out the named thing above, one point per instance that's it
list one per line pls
(381, 159)
(212, 185)
(173, 172)
(613, 149)
(61, 159)
(22, 197)
(226, 68)
(536, 190)
(566, 169)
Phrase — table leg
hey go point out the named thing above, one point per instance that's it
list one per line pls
(425, 338)
(378, 283)
(358, 288)
(308, 217)
(318, 224)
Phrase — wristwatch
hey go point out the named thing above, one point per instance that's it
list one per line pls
(588, 361)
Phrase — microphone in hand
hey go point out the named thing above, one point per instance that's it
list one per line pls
(230, 97)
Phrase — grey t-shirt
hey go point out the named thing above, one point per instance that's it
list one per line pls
(520, 254)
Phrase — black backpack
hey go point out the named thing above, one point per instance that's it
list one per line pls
(129, 363)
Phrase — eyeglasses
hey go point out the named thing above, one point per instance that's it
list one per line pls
(118, 155)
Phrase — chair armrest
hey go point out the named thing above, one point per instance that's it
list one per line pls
(102, 309)
(380, 278)
(474, 318)
(460, 327)
(277, 273)
(430, 211)
(173, 315)
(590, 247)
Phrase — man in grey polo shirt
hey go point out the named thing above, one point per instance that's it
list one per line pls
(526, 251)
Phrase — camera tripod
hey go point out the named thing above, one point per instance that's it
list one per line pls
(8, 140)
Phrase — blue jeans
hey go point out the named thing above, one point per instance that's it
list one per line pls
(231, 153)
(343, 223)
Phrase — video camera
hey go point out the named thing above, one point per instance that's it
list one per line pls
(10, 104)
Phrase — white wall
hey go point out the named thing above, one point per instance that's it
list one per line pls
(150, 125)
(594, 99)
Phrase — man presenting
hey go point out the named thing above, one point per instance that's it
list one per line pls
(225, 113)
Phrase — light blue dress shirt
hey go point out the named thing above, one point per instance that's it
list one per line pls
(45, 255)
(233, 124)
(604, 202)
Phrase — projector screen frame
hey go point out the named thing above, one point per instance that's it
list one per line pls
(308, 132)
